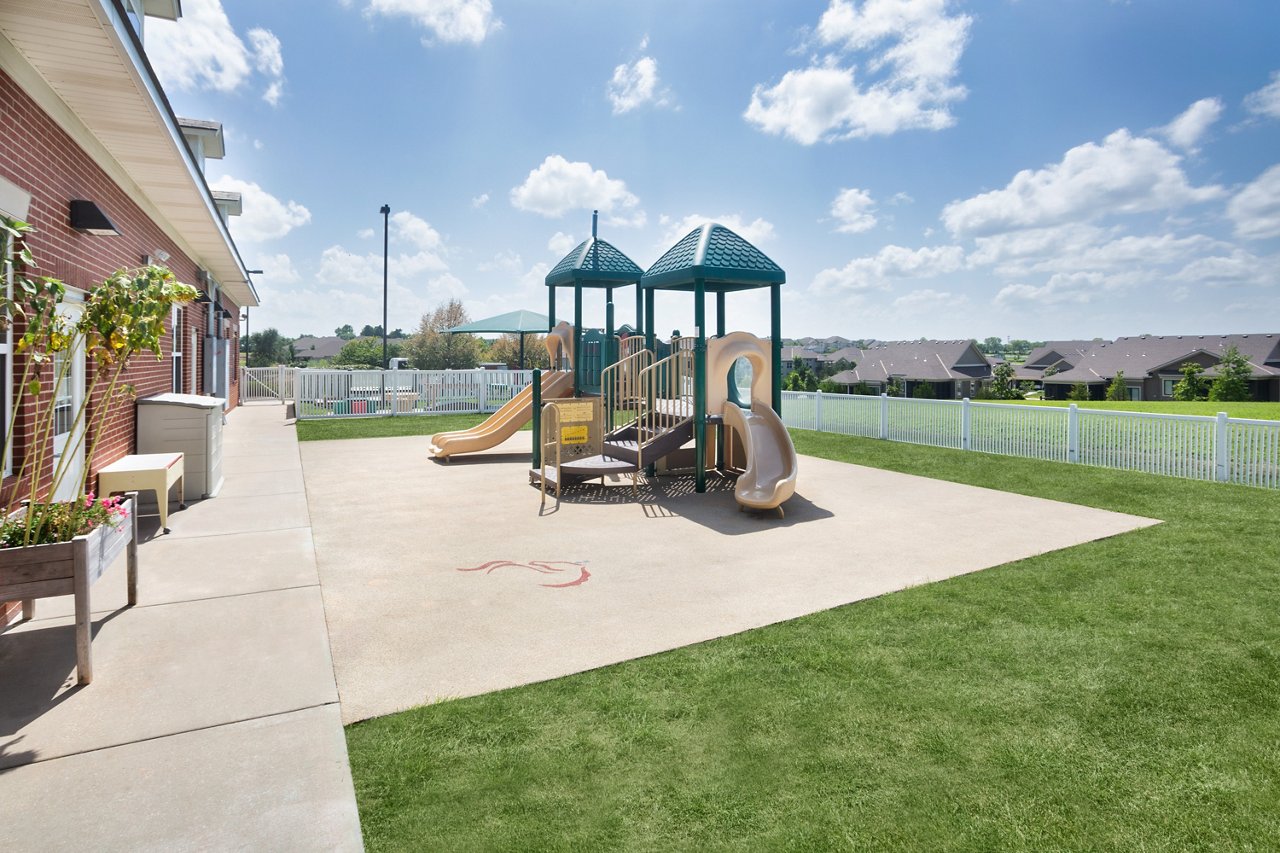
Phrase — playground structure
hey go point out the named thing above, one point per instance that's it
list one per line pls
(618, 406)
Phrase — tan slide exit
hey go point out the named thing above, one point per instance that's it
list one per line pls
(503, 423)
(770, 475)
(771, 464)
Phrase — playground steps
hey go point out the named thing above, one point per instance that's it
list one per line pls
(581, 470)
(626, 443)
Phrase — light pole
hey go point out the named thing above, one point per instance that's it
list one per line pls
(386, 220)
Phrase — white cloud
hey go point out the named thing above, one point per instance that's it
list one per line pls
(756, 231)
(416, 231)
(1125, 174)
(854, 210)
(1233, 267)
(558, 186)
(911, 51)
(202, 51)
(1061, 289)
(265, 216)
(1266, 101)
(636, 84)
(446, 20)
(503, 262)
(277, 269)
(1186, 130)
(1255, 210)
(480, 200)
(891, 262)
(929, 300)
(365, 233)
(561, 244)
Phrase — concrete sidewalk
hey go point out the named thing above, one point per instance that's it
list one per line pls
(212, 722)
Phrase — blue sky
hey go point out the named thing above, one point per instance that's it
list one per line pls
(918, 167)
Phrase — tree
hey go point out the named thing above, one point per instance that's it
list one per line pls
(371, 331)
(863, 389)
(895, 388)
(431, 348)
(1234, 373)
(1118, 391)
(364, 352)
(507, 350)
(345, 332)
(1078, 393)
(924, 391)
(397, 333)
(267, 348)
(990, 346)
(1003, 386)
(801, 379)
(1192, 386)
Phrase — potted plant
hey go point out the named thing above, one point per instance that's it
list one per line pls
(52, 547)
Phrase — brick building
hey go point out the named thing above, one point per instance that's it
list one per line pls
(93, 157)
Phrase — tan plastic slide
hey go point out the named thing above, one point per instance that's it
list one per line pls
(503, 423)
(770, 475)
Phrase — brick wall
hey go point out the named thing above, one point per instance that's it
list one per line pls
(38, 156)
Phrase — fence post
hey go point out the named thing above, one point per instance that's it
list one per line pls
(394, 395)
(884, 416)
(484, 390)
(280, 369)
(1222, 448)
(1073, 433)
(966, 425)
(817, 410)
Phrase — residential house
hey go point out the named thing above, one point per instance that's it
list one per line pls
(1151, 363)
(308, 348)
(794, 357)
(1053, 357)
(955, 368)
(93, 157)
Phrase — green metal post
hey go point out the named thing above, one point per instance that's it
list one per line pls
(775, 333)
(639, 309)
(720, 430)
(700, 386)
(610, 356)
(551, 308)
(537, 416)
(577, 339)
(649, 341)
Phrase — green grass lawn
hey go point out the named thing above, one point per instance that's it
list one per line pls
(1120, 695)
(1254, 411)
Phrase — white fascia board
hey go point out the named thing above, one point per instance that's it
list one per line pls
(146, 77)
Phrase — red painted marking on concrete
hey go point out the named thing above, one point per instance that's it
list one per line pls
(545, 567)
(582, 578)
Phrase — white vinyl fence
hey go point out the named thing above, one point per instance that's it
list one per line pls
(360, 393)
(1197, 447)
(266, 383)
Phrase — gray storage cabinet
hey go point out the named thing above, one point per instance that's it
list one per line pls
(188, 424)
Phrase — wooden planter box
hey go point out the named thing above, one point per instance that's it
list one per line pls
(71, 568)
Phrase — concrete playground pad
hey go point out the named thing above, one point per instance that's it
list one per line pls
(444, 580)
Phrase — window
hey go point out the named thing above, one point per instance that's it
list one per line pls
(193, 356)
(177, 349)
(1167, 387)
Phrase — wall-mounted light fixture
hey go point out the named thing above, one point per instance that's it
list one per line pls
(157, 256)
(88, 219)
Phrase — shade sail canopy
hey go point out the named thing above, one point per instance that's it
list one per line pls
(514, 322)
(594, 263)
(718, 257)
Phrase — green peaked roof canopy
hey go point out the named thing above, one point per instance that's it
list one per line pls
(594, 263)
(719, 257)
(510, 323)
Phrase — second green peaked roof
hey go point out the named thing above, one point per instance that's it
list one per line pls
(720, 258)
(594, 263)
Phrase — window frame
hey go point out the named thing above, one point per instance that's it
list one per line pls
(176, 317)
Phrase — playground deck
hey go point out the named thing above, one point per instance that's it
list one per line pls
(456, 585)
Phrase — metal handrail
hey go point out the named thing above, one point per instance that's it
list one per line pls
(668, 388)
(623, 391)
(547, 411)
